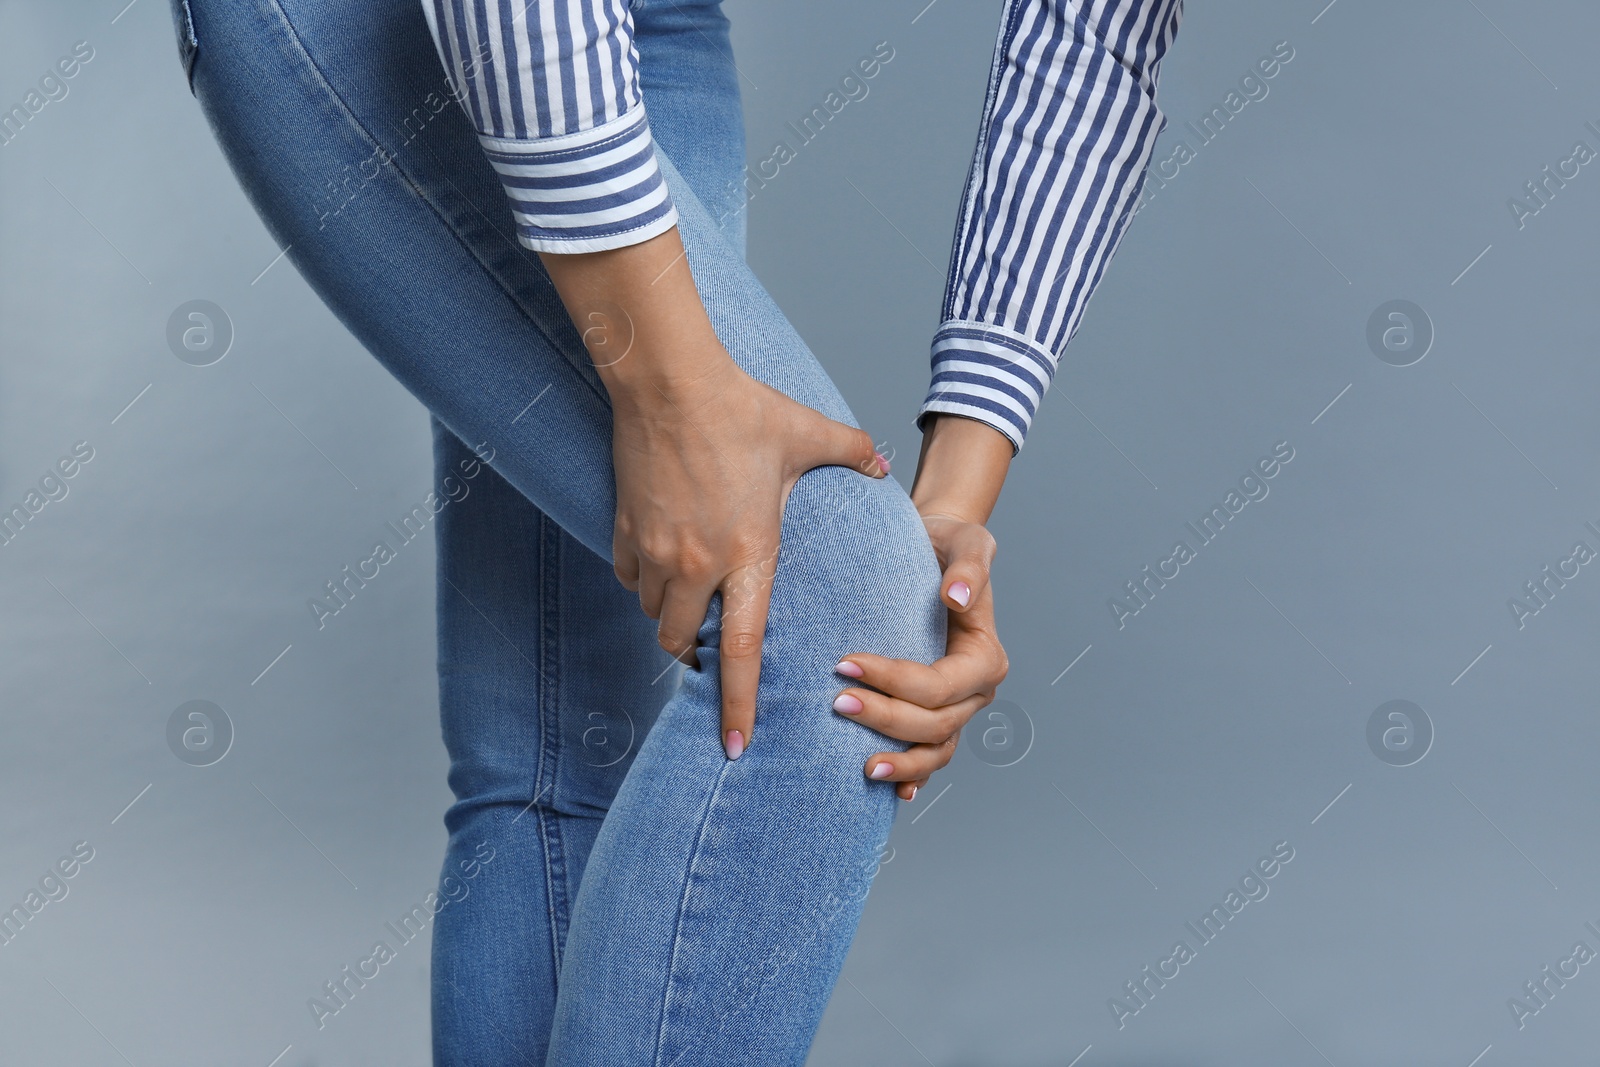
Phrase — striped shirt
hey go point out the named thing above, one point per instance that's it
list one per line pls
(1069, 123)
(1068, 127)
(552, 87)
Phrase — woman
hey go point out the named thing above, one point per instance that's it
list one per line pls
(536, 260)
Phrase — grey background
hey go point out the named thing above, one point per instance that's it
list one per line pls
(1224, 717)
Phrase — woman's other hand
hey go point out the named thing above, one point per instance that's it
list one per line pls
(959, 475)
(929, 705)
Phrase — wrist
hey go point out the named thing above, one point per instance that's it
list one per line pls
(641, 320)
(961, 469)
(665, 370)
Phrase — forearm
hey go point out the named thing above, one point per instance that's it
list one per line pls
(961, 469)
(1068, 130)
(640, 318)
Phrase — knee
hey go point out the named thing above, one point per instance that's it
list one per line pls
(855, 573)
(855, 566)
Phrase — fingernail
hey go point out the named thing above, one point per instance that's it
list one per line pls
(734, 744)
(913, 795)
(848, 704)
(882, 770)
(883, 461)
(960, 593)
(849, 670)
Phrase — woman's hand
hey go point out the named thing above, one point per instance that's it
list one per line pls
(704, 455)
(929, 705)
(959, 475)
(703, 474)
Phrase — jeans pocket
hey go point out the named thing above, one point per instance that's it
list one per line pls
(188, 43)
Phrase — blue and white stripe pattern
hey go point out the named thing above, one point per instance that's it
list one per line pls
(552, 87)
(1069, 125)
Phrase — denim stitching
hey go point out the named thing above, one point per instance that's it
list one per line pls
(683, 905)
(188, 45)
(549, 712)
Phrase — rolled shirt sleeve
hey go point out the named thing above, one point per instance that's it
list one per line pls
(552, 87)
(1069, 124)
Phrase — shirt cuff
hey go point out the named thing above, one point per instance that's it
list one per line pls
(585, 192)
(988, 373)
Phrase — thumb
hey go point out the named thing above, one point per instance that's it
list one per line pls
(968, 551)
(828, 442)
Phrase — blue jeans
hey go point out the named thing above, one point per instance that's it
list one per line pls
(647, 900)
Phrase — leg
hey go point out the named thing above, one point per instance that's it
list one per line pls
(720, 897)
(549, 674)
(549, 677)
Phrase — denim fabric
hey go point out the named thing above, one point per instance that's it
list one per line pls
(650, 902)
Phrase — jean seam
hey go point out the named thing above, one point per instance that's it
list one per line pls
(188, 45)
(416, 190)
(549, 717)
(683, 907)
(547, 826)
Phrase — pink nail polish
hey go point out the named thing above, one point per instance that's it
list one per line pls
(734, 744)
(960, 593)
(882, 770)
(847, 704)
(913, 795)
(849, 670)
(883, 461)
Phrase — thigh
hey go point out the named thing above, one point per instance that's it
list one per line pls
(339, 124)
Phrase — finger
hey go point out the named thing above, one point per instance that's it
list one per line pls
(905, 721)
(912, 765)
(968, 555)
(908, 790)
(829, 442)
(949, 679)
(683, 609)
(746, 596)
(652, 589)
(626, 567)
